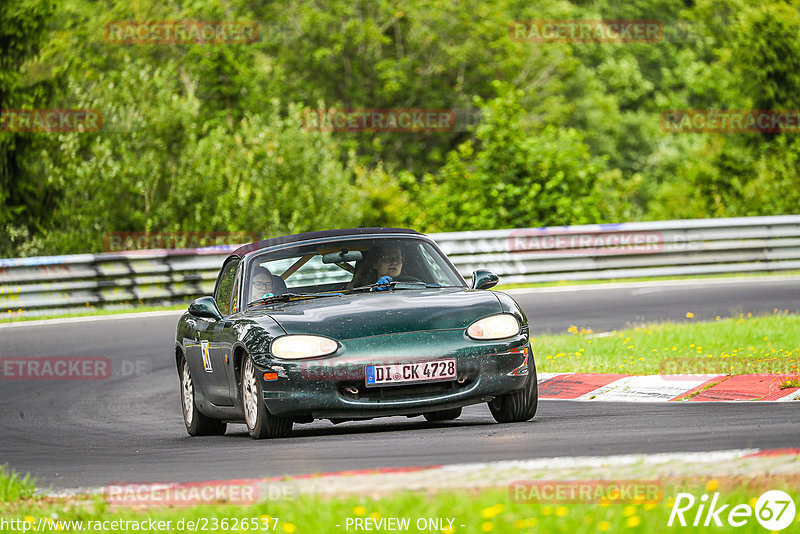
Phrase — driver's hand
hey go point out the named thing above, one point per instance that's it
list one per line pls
(383, 280)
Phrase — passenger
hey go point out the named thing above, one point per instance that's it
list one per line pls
(263, 284)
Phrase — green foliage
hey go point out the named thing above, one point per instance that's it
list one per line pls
(25, 199)
(518, 174)
(412, 54)
(269, 173)
(210, 137)
(766, 54)
(13, 487)
(160, 167)
(747, 173)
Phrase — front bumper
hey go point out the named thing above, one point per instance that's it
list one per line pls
(334, 387)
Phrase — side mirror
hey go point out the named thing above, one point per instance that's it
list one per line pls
(205, 307)
(483, 279)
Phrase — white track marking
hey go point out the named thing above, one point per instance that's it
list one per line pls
(651, 388)
(790, 397)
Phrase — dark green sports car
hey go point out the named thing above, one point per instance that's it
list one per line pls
(350, 324)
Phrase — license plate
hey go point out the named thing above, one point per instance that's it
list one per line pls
(404, 373)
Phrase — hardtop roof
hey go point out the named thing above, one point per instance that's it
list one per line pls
(321, 234)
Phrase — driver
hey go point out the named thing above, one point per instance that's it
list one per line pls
(262, 285)
(388, 264)
(381, 265)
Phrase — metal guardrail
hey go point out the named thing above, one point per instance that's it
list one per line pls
(55, 284)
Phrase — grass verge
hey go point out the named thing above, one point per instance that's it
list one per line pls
(14, 488)
(740, 345)
(480, 511)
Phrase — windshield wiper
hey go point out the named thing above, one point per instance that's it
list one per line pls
(285, 297)
(397, 284)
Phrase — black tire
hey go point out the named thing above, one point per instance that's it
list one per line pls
(520, 405)
(443, 415)
(195, 422)
(260, 423)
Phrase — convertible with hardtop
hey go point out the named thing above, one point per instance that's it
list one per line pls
(350, 325)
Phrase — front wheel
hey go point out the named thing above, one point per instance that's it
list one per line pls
(260, 423)
(520, 405)
(196, 423)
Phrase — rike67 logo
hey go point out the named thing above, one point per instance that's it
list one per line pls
(774, 510)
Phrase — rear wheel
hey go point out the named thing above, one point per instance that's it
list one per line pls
(196, 423)
(443, 415)
(520, 405)
(260, 423)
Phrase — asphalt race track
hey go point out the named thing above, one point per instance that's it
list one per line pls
(128, 427)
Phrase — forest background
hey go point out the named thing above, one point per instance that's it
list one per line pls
(211, 137)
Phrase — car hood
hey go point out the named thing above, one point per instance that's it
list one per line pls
(383, 312)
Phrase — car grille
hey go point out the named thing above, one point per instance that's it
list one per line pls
(358, 391)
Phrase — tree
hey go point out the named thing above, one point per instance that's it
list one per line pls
(516, 174)
(26, 199)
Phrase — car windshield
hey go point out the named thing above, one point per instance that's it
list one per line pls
(344, 265)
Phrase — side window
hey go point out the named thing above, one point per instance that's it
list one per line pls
(235, 292)
(225, 286)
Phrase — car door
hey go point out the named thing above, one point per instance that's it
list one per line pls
(211, 364)
(225, 336)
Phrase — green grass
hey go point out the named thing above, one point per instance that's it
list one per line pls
(90, 312)
(792, 383)
(740, 345)
(560, 283)
(14, 488)
(480, 511)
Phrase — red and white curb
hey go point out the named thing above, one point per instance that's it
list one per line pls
(664, 388)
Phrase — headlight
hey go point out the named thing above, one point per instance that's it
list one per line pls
(494, 327)
(296, 347)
